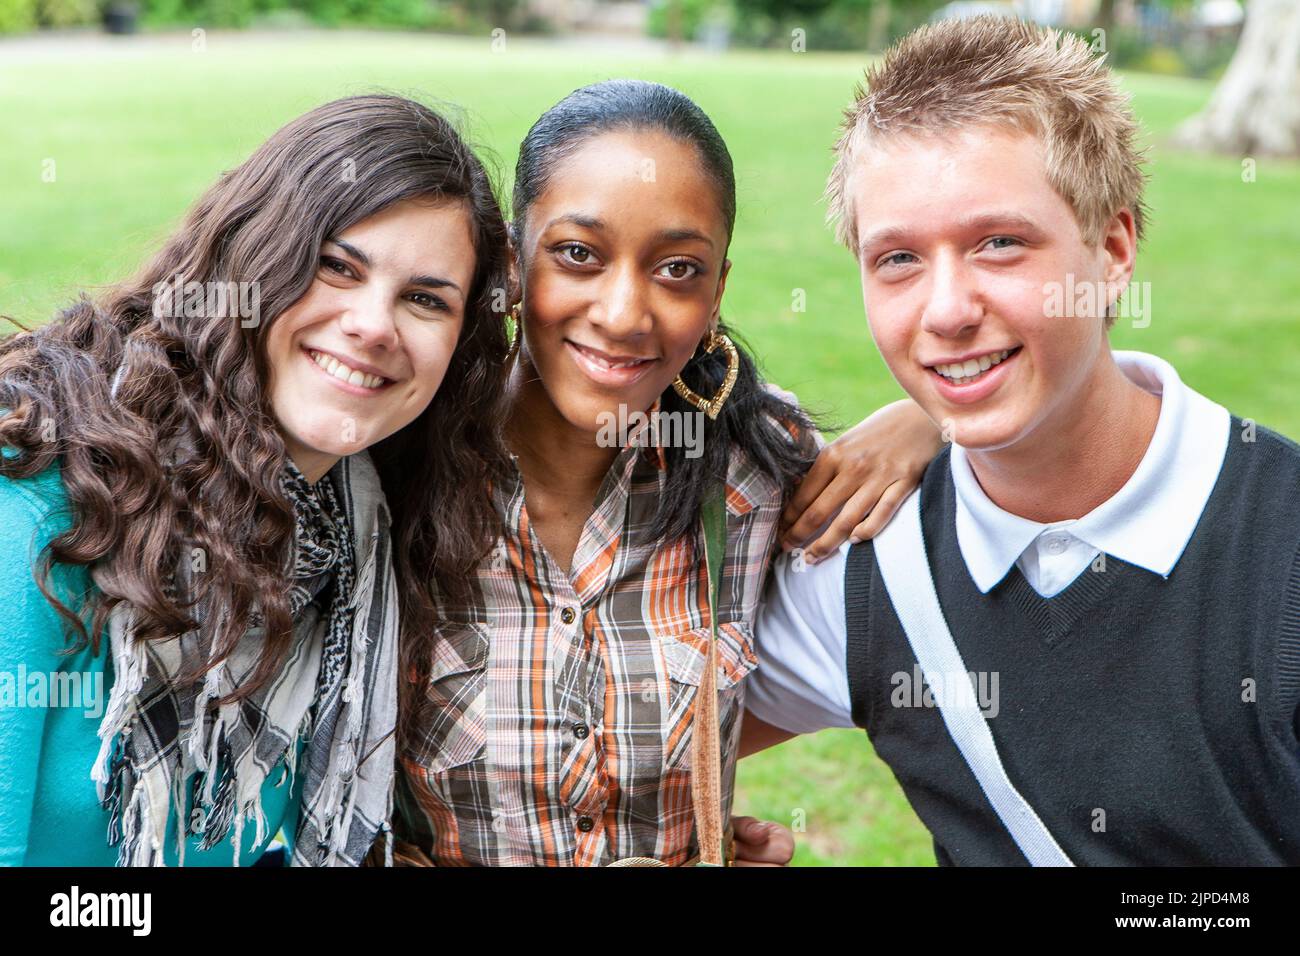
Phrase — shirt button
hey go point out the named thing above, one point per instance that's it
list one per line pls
(567, 615)
(586, 824)
(1057, 544)
(580, 731)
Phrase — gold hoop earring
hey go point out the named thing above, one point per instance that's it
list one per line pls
(712, 406)
(515, 319)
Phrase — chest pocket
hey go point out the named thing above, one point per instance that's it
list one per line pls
(685, 655)
(452, 718)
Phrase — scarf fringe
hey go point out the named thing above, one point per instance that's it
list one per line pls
(202, 739)
(182, 820)
(141, 845)
(139, 810)
(220, 794)
(111, 791)
(130, 664)
(338, 804)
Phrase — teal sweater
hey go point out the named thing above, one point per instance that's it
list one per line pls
(49, 811)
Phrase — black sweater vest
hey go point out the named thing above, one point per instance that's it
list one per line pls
(1146, 720)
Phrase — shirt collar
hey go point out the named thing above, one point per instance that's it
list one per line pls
(1148, 522)
(746, 488)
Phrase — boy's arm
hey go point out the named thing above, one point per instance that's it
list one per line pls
(756, 734)
(801, 683)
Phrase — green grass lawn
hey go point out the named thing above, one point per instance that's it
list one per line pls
(136, 131)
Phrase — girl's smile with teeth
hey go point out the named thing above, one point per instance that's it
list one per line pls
(607, 360)
(608, 371)
(345, 373)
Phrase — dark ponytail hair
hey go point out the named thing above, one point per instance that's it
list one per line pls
(774, 432)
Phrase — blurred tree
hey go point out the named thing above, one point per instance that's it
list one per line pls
(66, 13)
(878, 25)
(17, 16)
(499, 13)
(1106, 14)
(1255, 110)
(777, 9)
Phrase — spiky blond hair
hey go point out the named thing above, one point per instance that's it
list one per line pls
(1005, 72)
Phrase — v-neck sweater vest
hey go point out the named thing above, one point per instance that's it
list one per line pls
(1147, 720)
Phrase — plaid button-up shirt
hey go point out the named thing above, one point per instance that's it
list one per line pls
(556, 727)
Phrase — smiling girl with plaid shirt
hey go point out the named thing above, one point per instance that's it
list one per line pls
(549, 711)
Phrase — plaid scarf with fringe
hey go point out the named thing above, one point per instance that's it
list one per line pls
(162, 747)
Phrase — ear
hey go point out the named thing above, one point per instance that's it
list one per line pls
(1119, 249)
(717, 296)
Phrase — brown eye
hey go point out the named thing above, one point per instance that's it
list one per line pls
(431, 302)
(679, 269)
(336, 266)
(579, 254)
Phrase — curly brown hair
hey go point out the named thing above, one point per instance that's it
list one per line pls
(110, 390)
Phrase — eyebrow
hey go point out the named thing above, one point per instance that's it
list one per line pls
(577, 219)
(991, 220)
(1006, 220)
(428, 281)
(880, 237)
(680, 234)
(353, 251)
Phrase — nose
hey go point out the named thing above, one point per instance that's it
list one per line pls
(622, 311)
(953, 308)
(370, 320)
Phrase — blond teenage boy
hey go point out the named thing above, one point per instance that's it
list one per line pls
(1079, 641)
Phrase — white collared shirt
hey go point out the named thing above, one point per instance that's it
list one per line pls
(801, 683)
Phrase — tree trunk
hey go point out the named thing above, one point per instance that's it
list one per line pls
(878, 26)
(1255, 110)
(1106, 14)
(674, 25)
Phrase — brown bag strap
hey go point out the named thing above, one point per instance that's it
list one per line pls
(706, 745)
